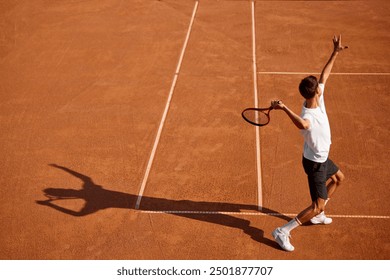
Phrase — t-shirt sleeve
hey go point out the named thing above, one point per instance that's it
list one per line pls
(308, 117)
(322, 88)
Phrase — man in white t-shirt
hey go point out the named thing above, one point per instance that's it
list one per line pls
(323, 175)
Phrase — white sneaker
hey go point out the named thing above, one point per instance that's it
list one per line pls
(321, 219)
(283, 239)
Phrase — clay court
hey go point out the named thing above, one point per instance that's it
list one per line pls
(122, 137)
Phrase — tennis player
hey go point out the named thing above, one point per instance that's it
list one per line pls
(323, 175)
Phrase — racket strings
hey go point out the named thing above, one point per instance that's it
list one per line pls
(256, 117)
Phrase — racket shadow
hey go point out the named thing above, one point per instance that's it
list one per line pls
(97, 198)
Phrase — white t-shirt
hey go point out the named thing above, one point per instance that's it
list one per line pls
(317, 137)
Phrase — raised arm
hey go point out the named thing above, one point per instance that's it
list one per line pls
(82, 177)
(337, 47)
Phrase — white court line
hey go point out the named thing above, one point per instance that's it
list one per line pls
(258, 214)
(156, 141)
(258, 155)
(309, 73)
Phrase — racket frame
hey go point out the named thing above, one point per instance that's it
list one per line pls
(264, 111)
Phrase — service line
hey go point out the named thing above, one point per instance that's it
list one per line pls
(158, 136)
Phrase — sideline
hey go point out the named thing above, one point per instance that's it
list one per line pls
(158, 136)
(257, 129)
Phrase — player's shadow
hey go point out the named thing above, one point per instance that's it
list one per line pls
(97, 198)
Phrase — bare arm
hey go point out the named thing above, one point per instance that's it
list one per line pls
(296, 119)
(329, 65)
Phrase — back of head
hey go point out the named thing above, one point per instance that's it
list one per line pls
(308, 87)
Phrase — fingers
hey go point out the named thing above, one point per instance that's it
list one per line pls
(337, 40)
(276, 104)
(337, 43)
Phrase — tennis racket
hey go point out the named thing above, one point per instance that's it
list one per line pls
(257, 116)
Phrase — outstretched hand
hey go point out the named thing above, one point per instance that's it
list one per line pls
(337, 44)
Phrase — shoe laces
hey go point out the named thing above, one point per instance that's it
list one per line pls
(286, 234)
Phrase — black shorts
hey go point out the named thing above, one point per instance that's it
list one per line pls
(317, 175)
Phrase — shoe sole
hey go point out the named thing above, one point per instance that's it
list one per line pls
(320, 223)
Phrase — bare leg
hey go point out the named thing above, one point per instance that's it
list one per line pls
(314, 209)
(335, 182)
(282, 234)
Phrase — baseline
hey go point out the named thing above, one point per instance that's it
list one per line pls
(258, 214)
(339, 74)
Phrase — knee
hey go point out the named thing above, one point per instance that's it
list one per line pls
(338, 178)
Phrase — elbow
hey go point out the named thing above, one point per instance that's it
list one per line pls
(305, 126)
(301, 126)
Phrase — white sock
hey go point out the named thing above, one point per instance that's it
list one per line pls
(323, 212)
(320, 215)
(326, 201)
(290, 225)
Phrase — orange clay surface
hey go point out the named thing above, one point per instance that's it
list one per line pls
(83, 88)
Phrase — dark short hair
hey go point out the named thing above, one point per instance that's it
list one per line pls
(308, 87)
